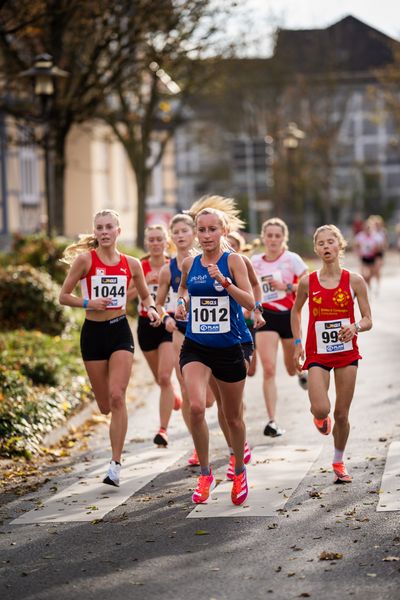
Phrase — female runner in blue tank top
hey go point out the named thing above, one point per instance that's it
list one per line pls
(213, 288)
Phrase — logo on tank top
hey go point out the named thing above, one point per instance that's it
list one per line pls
(217, 286)
(341, 298)
(317, 299)
(198, 279)
(100, 271)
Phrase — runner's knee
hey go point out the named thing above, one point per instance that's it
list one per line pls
(117, 398)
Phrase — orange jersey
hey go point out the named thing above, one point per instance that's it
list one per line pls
(107, 281)
(329, 310)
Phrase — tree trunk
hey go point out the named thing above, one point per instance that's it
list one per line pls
(54, 152)
(141, 179)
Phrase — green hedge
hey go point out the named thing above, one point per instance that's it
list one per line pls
(40, 252)
(42, 383)
(29, 300)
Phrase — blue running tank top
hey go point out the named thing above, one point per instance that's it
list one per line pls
(213, 313)
(244, 330)
(176, 276)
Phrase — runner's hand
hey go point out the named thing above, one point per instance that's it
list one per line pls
(215, 273)
(170, 325)
(298, 357)
(180, 312)
(258, 319)
(154, 317)
(99, 303)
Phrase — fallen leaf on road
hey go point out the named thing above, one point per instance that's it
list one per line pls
(330, 555)
(201, 532)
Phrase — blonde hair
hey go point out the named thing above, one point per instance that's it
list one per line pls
(86, 241)
(226, 209)
(181, 218)
(335, 232)
(160, 227)
(279, 223)
(376, 220)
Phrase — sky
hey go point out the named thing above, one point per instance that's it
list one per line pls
(259, 17)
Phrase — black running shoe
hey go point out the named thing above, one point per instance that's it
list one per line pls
(272, 429)
(161, 438)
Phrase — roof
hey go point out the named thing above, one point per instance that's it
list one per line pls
(348, 45)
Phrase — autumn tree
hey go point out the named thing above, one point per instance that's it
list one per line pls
(92, 41)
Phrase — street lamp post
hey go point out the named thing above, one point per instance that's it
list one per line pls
(291, 140)
(44, 73)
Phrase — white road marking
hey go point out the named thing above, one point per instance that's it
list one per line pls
(90, 499)
(273, 476)
(389, 498)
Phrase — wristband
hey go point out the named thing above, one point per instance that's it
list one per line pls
(165, 317)
(258, 306)
(85, 302)
(297, 341)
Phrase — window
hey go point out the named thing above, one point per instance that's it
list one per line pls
(29, 176)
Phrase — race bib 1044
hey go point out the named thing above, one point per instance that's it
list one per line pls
(327, 334)
(210, 314)
(110, 286)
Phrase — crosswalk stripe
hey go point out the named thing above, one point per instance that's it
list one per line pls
(389, 497)
(88, 498)
(273, 476)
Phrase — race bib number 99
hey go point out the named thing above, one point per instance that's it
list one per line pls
(110, 286)
(210, 314)
(327, 333)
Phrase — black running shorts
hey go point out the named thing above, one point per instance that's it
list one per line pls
(99, 339)
(150, 337)
(248, 351)
(329, 368)
(277, 321)
(226, 364)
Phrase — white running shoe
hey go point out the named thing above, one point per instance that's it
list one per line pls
(113, 473)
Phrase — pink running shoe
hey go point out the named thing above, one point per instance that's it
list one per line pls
(341, 474)
(205, 485)
(230, 474)
(240, 488)
(247, 453)
(246, 459)
(324, 426)
(193, 461)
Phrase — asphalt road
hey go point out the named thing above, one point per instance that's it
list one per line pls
(147, 548)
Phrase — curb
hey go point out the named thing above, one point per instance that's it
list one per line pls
(77, 420)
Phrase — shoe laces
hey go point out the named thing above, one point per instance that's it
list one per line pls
(203, 483)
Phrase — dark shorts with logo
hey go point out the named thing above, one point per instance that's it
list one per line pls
(277, 321)
(149, 337)
(100, 339)
(329, 368)
(226, 364)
